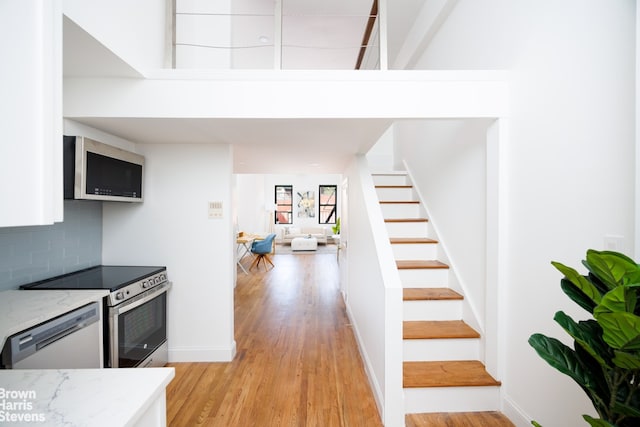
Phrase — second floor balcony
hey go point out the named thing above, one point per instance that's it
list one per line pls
(280, 34)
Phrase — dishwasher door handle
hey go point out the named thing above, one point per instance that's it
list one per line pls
(42, 344)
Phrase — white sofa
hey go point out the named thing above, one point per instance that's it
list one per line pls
(287, 234)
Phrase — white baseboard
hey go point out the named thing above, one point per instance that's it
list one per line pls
(375, 385)
(515, 413)
(202, 354)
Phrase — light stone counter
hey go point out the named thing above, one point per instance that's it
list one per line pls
(84, 397)
(21, 309)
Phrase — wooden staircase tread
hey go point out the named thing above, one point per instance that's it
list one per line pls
(417, 264)
(437, 329)
(399, 202)
(458, 373)
(458, 419)
(409, 240)
(430, 294)
(406, 220)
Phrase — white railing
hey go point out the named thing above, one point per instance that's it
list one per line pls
(212, 35)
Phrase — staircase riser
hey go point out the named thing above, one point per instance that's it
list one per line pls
(407, 229)
(451, 399)
(400, 210)
(395, 194)
(390, 180)
(424, 277)
(441, 349)
(432, 310)
(410, 251)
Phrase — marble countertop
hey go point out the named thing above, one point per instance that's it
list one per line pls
(81, 397)
(20, 309)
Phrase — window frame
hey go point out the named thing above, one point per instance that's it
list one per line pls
(321, 205)
(278, 204)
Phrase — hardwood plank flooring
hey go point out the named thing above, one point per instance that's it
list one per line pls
(297, 361)
(462, 419)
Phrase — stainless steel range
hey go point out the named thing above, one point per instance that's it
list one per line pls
(136, 326)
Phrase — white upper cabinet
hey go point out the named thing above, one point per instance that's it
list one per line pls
(30, 112)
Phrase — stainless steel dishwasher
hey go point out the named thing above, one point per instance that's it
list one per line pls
(72, 340)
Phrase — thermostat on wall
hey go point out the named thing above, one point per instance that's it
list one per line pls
(215, 210)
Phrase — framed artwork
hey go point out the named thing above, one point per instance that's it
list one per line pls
(306, 204)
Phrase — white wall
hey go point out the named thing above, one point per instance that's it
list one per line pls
(373, 293)
(447, 161)
(252, 203)
(570, 162)
(381, 156)
(171, 228)
(135, 31)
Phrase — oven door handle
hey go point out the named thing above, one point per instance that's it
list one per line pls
(141, 299)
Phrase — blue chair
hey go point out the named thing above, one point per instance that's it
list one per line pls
(261, 249)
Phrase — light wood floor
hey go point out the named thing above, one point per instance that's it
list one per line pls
(297, 361)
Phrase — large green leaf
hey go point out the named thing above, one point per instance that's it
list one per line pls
(630, 410)
(626, 360)
(620, 330)
(597, 422)
(563, 358)
(599, 284)
(613, 268)
(577, 296)
(588, 335)
(601, 394)
(620, 299)
(579, 281)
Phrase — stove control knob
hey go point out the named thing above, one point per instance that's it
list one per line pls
(119, 296)
(163, 277)
(145, 284)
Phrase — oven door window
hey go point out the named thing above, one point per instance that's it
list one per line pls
(141, 330)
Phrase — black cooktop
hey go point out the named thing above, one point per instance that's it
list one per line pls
(110, 277)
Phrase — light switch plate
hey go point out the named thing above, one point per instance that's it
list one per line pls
(614, 242)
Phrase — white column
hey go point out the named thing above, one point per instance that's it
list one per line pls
(277, 36)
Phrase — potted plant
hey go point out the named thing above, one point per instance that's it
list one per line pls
(605, 360)
(336, 228)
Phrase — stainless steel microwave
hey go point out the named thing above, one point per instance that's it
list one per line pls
(97, 171)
